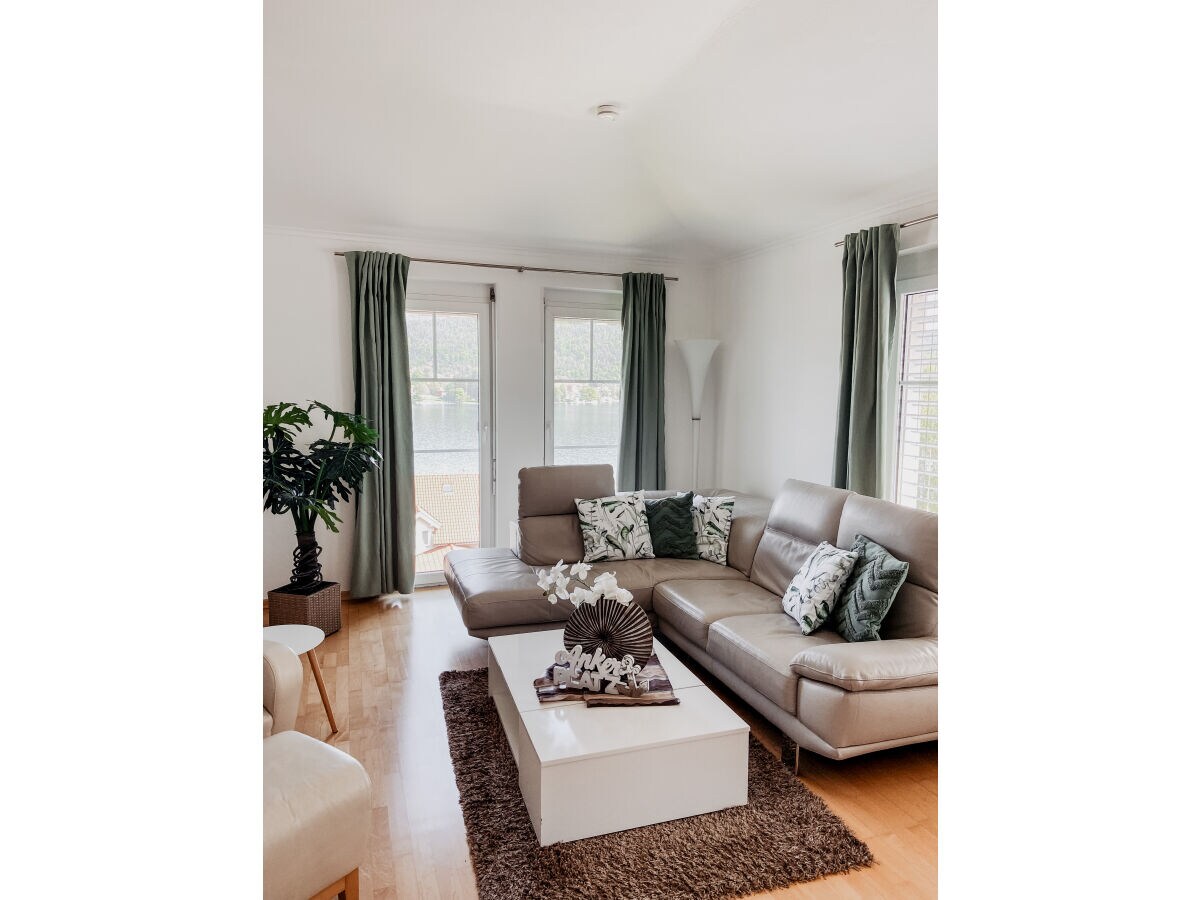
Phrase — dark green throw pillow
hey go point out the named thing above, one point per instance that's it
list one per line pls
(869, 592)
(671, 530)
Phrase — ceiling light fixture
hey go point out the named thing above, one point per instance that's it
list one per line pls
(607, 111)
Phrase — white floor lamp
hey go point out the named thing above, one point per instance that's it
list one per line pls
(697, 354)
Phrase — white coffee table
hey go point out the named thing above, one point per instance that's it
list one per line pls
(594, 771)
(304, 639)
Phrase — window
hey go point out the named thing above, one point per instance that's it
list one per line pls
(917, 419)
(583, 403)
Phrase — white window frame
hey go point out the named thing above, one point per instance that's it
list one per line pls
(573, 305)
(433, 302)
(904, 287)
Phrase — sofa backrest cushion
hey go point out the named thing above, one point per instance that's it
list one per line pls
(553, 490)
(911, 536)
(749, 519)
(803, 515)
(547, 519)
(548, 522)
(544, 540)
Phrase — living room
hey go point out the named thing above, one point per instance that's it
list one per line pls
(607, 425)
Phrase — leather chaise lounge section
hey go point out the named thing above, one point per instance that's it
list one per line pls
(831, 697)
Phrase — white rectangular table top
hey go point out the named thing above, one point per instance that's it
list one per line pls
(567, 731)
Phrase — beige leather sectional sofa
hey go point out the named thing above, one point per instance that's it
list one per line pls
(834, 698)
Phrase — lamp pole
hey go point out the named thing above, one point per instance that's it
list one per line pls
(697, 354)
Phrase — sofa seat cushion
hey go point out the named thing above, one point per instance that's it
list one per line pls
(494, 589)
(872, 665)
(641, 575)
(691, 606)
(760, 649)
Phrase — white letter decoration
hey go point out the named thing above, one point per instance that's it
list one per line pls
(599, 673)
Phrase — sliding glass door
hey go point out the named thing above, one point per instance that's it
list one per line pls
(449, 343)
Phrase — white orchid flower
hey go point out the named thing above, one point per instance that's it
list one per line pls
(623, 596)
(605, 584)
(580, 570)
(545, 582)
(558, 569)
(582, 595)
(561, 588)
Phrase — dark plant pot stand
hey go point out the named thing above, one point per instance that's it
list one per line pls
(319, 605)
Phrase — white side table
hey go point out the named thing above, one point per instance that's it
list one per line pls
(304, 639)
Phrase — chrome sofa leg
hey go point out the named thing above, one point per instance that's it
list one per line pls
(789, 753)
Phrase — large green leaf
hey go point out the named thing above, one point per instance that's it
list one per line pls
(353, 426)
(308, 484)
(284, 421)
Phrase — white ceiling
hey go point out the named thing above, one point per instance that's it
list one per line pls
(742, 122)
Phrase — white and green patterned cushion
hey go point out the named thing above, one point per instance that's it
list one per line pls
(869, 592)
(711, 520)
(615, 528)
(813, 593)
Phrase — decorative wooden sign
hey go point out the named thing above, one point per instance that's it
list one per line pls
(596, 672)
(607, 682)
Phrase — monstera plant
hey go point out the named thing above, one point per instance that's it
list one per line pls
(307, 481)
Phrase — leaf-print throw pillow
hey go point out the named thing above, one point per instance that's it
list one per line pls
(671, 529)
(813, 593)
(615, 528)
(870, 592)
(711, 519)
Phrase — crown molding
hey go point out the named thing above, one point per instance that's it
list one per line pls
(482, 249)
(913, 203)
(581, 254)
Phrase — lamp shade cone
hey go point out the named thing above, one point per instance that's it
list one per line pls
(697, 354)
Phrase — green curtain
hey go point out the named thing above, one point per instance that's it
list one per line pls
(869, 314)
(643, 464)
(385, 526)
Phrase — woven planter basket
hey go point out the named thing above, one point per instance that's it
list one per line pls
(321, 607)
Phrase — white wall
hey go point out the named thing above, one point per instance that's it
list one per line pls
(778, 312)
(307, 353)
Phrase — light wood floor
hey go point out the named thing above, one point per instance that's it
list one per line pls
(381, 671)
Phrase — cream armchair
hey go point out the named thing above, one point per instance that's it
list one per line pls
(282, 676)
(316, 799)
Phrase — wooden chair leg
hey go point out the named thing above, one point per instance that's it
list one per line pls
(345, 888)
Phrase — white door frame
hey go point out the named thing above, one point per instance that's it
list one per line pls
(427, 301)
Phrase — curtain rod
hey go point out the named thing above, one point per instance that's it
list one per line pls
(479, 265)
(902, 225)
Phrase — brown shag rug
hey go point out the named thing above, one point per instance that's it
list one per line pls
(785, 834)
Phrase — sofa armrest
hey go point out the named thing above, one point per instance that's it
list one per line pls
(871, 665)
(282, 677)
